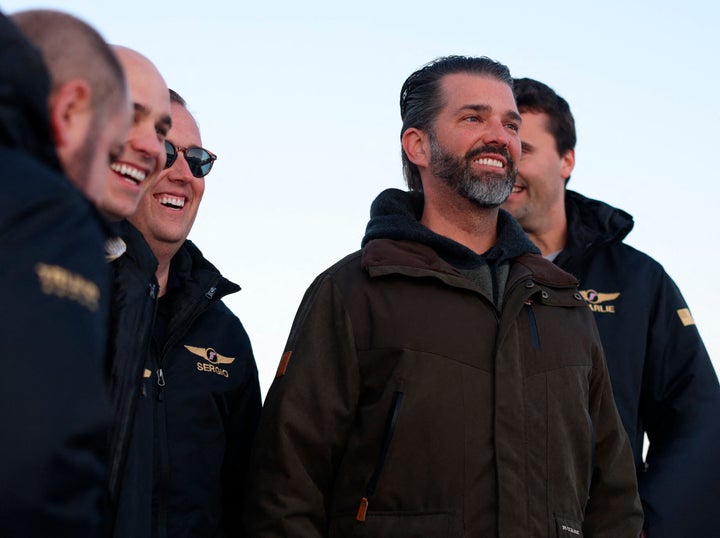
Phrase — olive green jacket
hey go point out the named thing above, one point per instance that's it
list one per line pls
(406, 405)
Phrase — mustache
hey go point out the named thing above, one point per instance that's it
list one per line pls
(498, 150)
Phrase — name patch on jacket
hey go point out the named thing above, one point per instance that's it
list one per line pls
(58, 281)
(598, 301)
(213, 359)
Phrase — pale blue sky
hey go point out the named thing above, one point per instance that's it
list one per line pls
(300, 102)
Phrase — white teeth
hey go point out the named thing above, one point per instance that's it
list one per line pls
(489, 162)
(128, 172)
(172, 201)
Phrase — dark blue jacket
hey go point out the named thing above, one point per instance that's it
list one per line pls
(134, 301)
(196, 415)
(54, 291)
(663, 380)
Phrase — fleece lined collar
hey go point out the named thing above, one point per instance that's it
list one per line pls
(396, 214)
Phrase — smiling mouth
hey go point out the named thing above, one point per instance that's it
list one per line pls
(517, 188)
(487, 161)
(173, 202)
(132, 175)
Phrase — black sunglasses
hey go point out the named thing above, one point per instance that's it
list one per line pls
(199, 160)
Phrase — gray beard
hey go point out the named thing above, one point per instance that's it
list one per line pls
(486, 190)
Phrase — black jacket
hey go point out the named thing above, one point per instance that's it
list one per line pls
(134, 300)
(54, 286)
(663, 380)
(197, 412)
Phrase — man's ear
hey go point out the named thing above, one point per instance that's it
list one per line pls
(416, 144)
(70, 113)
(567, 164)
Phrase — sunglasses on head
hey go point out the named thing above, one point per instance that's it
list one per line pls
(199, 160)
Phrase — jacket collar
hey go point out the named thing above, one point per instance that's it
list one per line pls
(590, 224)
(396, 214)
(189, 270)
(387, 256)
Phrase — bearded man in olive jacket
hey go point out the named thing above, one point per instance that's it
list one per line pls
(446, 380)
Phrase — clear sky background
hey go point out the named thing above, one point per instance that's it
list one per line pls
(300, 102)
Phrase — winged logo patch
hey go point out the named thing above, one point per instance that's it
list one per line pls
(597, 300)
(213, 357)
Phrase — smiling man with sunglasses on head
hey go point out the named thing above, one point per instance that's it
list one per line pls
(200, 397)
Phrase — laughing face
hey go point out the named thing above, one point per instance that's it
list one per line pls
(474, 144)
(538, 198)
(144, 155)
(167, 211)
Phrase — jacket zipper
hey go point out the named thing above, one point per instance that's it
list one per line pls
(593, 448)
(160, 421)
(389, 432)
(164, 463)
(162, 418)
(534, 335)
(118, 464)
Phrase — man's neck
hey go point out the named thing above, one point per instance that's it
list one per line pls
(164, 254)
(462, 221)
(551, 236)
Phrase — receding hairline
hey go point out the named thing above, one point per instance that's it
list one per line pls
(442, 84)
(139, 67)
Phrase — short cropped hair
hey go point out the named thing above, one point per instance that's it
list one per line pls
(534, 96)
(175, 97)
(421, 97)
(72, 49)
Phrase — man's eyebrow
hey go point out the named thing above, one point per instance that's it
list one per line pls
(514, 116)
(141, 109)
(475, 108)
(511, 114)
(165, 121)
(144, 111)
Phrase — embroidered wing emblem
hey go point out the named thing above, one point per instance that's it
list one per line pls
(595, 297)
(210, 355)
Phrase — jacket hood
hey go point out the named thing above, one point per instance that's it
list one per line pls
(592, 222)
(396, 214)
(24, 92)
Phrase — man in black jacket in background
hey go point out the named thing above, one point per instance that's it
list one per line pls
(663, 381)
(200, 397)
(54, 282)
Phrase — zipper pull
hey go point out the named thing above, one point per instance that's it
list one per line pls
(362, 509)
(211, 293)
(161, 377)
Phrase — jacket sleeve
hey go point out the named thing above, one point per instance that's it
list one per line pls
(243, 414)
(613, 509)
(305, 421)
(679, 408)
(53, 392)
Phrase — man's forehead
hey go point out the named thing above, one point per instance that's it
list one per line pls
(184, 125)
(476, 89)
(147, 87)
